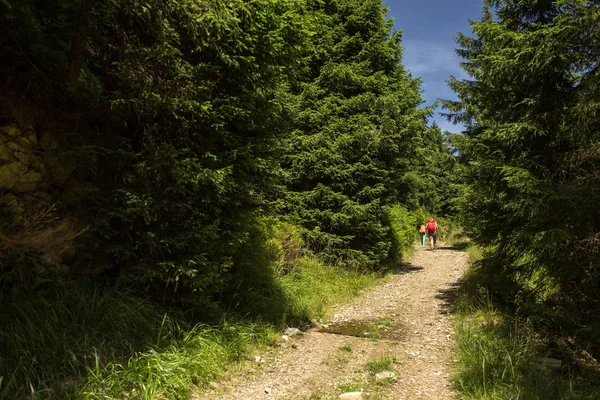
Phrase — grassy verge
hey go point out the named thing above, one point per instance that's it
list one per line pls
(497, 353)
(74, 343)
(315, 287)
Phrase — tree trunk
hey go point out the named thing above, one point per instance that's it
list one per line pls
(79, 43)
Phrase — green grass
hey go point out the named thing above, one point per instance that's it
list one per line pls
(76, 341)
(313, 287)
(383, 364)
(457, 238)
(50, 337)
(110, 344)
(170, 372)
(87, 343)
(494, 350)
(351, 387)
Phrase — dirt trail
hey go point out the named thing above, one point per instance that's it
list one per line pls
(408, 321)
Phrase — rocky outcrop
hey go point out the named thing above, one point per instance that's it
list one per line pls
(29, 166)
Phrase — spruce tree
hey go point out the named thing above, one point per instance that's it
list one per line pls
(173, 123)
(358, 126)
(531, 150)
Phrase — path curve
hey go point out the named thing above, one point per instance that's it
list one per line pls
(412, 306)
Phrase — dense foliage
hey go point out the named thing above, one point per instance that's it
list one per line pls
(188, 114)
(185, 95)
(196, 155)
(358, 130)
(530, 153)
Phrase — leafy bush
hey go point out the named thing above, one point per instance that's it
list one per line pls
(404, 226)
(276, 279)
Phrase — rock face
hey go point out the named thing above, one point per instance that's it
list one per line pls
(29, 167)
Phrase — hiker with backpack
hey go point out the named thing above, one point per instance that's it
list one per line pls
(432, 228)
(423, 233)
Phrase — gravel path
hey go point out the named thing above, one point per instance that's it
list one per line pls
(410, 316)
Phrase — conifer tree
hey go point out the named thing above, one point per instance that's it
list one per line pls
(358, 127)
(531, 150)
(433, 182)
(174, 123)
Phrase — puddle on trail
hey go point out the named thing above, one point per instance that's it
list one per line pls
(383, 328)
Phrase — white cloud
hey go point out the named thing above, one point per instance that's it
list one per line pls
(426, 59)
(434, 62)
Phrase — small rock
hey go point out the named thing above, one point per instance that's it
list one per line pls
(351, 396)
(268, 390)
(438, 373)
(385, 375)
(258, 359)
(285, 337)
(292, 332)
(294, 346)
(545, 363)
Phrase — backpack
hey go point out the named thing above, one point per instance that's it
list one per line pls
(422, 229)
(431, 226)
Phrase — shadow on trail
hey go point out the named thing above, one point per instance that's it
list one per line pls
(448, 295)
(404, 268)
(450, 292)
(456, 247)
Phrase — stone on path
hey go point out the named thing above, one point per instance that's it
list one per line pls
(385, 375)
(292, 331)
(545, 363)
(351, 396)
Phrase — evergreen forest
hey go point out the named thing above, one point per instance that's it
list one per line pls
(188, 176)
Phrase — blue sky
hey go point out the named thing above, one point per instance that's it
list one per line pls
(429, 28)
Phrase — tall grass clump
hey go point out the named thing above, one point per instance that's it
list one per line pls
(189, 358)
(111, 344)
(50, 337)
(313, 287)
(497, 352)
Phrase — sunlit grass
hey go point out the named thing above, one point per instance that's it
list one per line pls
(314, 287)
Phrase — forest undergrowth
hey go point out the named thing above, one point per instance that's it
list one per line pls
(503, 353)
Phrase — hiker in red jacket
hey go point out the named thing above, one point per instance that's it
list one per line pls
(432, 228)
